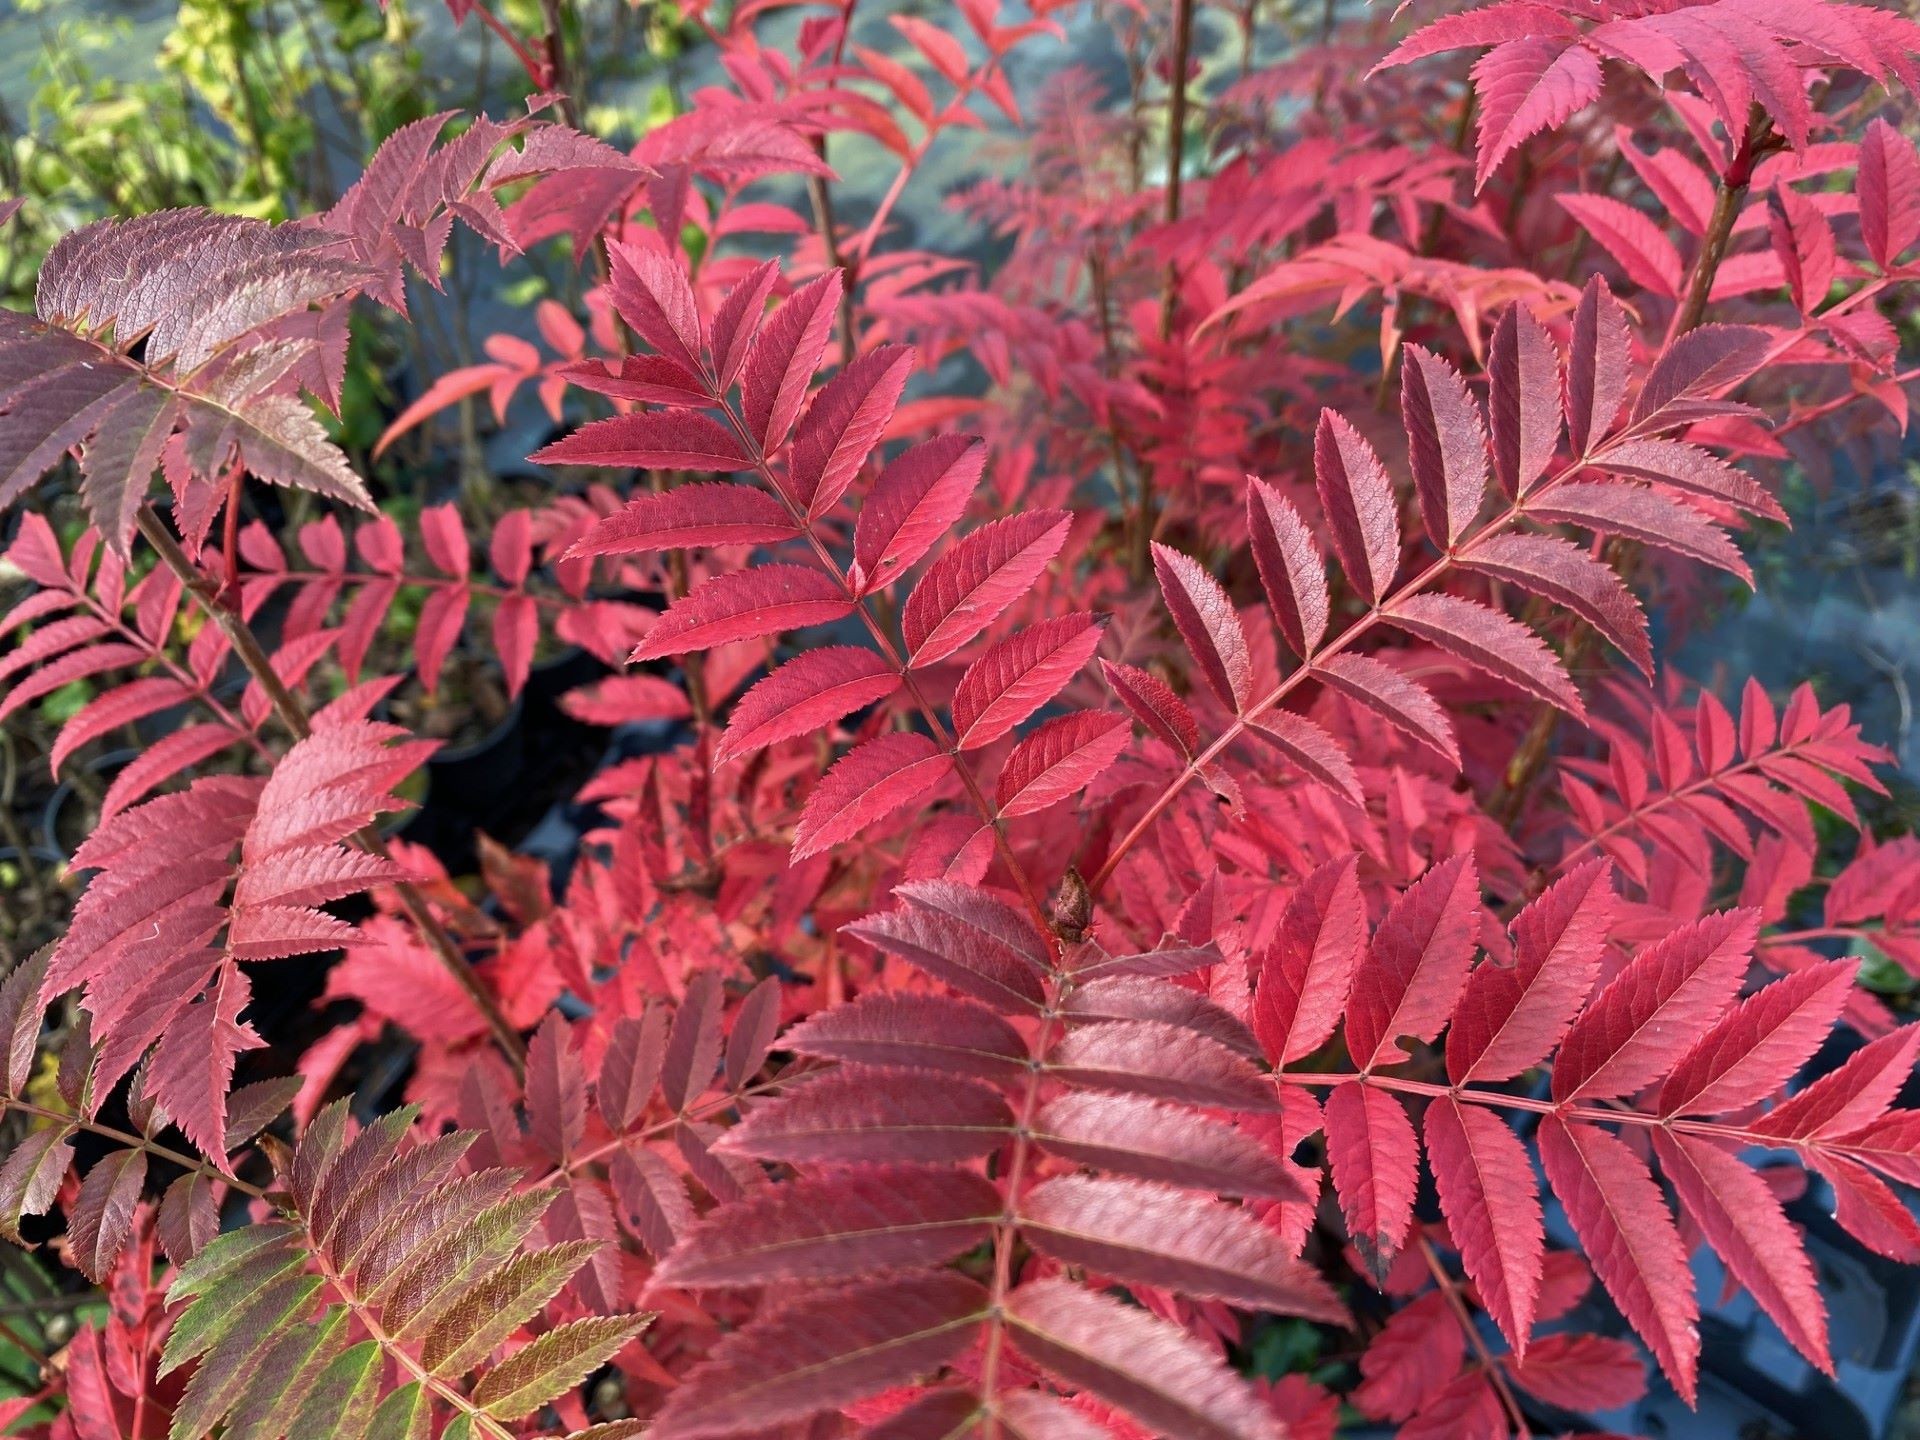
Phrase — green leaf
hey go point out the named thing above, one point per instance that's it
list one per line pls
(406, 1414)
(555, 1363)
(499, 1305)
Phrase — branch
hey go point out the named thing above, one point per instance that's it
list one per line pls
(246, 646)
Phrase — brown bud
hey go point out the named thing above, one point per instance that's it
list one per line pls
(1072, 908)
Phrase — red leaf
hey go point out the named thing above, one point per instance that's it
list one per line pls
(1130, 1135)
(967, 587)
(1490, 641)
(1487, 1192)
(842, 426)
(1642, 515)
(1154, 705)
(1207, 621)
(955, 953)
(1621, 1218)
(1632, 238)
(809, 692)
(1675, 988)
(858, 1117)
(1413, 1358)
(556, 1090)
(1688, 467)
(1889, 187)
(1741, 1217)
(1146, 1234)
(1526, 86)
(631, 1067)
(624, 699)
(1694, 369)
(1869, 1210)
(786, 352)
(1290, 566)
(866, 783)
(1582, 1372)
(1304, 975)
(837, 1226)
(652, 440)
(1523, 400)
(1057, 760)
(1562, 572)
(1803, 239)
(1160, 1060)
(1511, 1016)
(1019, 674)
(1849, 1098)
(1759, 1044)
(1392, 696)
(1312, 749)
(1596, 367)
(938, 1033)
(918, 498)
(102, 1216)
(1446, 445)
(1407, 985)
(1357, 497)
(822, 1352)
(737, 321)
(516, 631)
(1154, 1371)
(192, 1067)
(743, 605)
(1375, 1160)
(653, 296)
(689, 516)
(995, 921)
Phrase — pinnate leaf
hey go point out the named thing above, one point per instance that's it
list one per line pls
(859, 1117)
(1291, 569)
(1889, 187)
(702, 515)
(1155, 1235)
(651, 440)
(842, 426)
(1741, 1217)
(785, 354)
(743, 605)
(1484, 1177)
(1207, 621)
(919, 497)
(822, 1352)
(1304, 975)
(1018, 675)
(1154, 1371)
(1759, 1044)
(968, 587)
(1510, 1017)
(1057, 760)
(1622, 1220)
(1357, 498)
(1637, 1027)
(1375, 1159)
(1564, 573)
(1415, 967)
(553, 1364)
(1490, 641)
(809, 692)
(1446, 444)
(937, 1033)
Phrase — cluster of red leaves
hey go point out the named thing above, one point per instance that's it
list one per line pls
(1110, 923)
